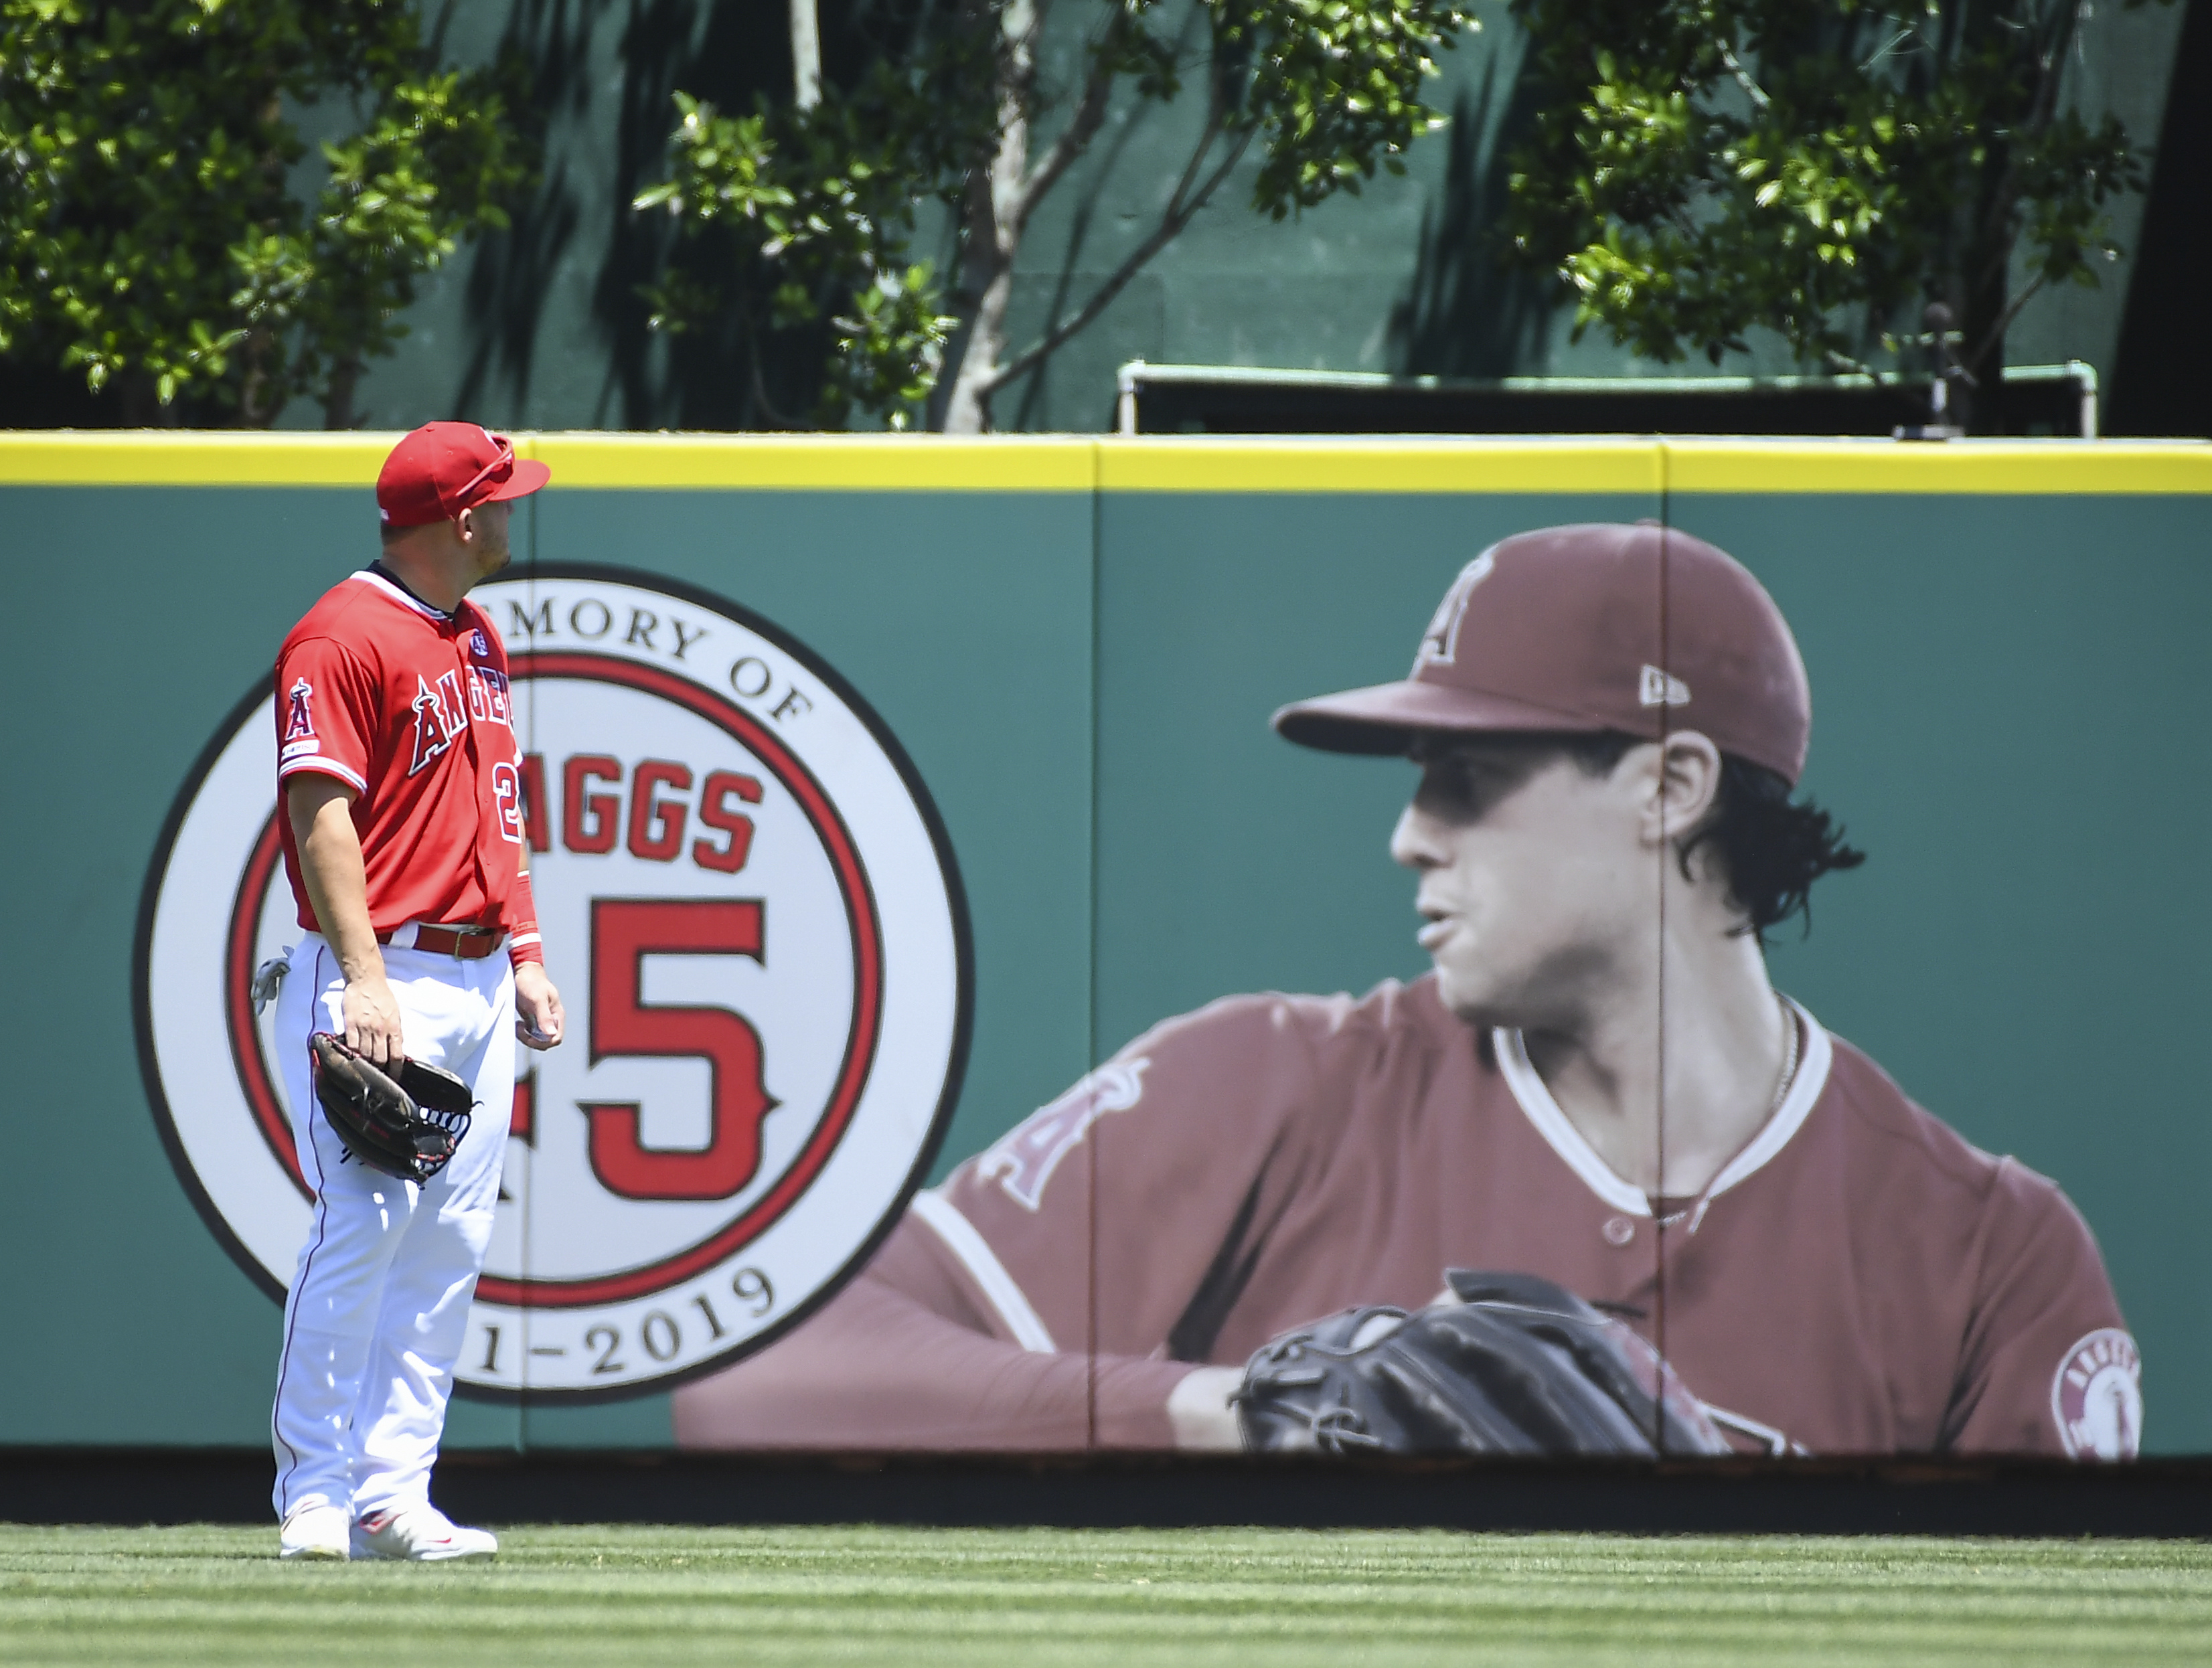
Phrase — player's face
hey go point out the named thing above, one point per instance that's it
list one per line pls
(1536, 892)
(487, 545)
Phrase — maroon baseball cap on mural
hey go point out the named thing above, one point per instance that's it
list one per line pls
(443, 468)
(1640, 629)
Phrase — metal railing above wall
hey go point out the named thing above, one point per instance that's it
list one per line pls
(2034, 400)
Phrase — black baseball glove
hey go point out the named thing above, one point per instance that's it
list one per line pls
(407, 1121)
(1517, 1366)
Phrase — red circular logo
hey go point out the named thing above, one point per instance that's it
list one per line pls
(751, 910)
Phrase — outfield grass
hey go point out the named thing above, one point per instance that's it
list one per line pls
(982, 1597)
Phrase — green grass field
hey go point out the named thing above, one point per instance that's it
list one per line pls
(990, 1597)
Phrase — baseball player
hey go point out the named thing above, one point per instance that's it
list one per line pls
(1601, 833)
(403, 833)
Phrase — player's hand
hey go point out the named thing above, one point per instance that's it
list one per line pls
(1199, 1413)
(538, 1019)
(372, 1019)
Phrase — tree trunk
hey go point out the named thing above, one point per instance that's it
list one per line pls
(262, 396)
(1982, 300)
(259, 399)
(337, 403)
(993, 233)
(806, 55)
(1985, 290)
(990, 260)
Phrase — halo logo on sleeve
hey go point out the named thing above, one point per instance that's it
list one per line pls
(2096, 1396)
(756, 922)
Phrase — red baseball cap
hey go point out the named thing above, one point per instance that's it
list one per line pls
(443, 468)
(1641, 629)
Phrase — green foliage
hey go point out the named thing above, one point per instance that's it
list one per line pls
(1818, 167)
(1333, 86)
(792, 219)
(151, 235)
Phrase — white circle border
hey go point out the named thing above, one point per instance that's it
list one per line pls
(507, 1386)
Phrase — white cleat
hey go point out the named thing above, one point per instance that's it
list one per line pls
(420, 1533)
(314, 1531)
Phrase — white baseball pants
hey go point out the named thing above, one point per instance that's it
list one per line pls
(379, 1307)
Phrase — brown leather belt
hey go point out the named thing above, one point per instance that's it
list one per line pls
(466, 944)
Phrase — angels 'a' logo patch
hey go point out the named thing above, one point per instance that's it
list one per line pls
(299, 722)
(2096, 1396)
(1024, 1158)
(752, 909)
(1440, 642)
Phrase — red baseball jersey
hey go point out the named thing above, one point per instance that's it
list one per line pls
(1857, 1280)
(413, 709)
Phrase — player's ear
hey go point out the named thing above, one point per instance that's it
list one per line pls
(1682, 782)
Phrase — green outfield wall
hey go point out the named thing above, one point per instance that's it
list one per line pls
(1075, 646)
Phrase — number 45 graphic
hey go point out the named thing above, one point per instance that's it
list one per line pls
(624, 932)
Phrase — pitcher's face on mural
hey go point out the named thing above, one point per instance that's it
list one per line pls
(1535, 860)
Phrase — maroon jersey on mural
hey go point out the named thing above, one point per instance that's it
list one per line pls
(1857, 1279)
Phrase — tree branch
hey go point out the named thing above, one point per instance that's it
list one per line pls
(2065, 24)
(1743, 77)
(2050, 70)
(1839, 361)
(1896, 40)
(1082, 127)
(2004, 324)
(1216, 118)
(1177, 214)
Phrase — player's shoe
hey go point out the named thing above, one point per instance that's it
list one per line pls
(420, 1533)
(314, 1531)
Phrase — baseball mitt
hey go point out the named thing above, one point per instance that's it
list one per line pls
(1517, 1366)
(407, 1121)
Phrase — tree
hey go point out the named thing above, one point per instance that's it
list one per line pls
(791, 219)
(795, 221)
(1828, 169)
(152, 239)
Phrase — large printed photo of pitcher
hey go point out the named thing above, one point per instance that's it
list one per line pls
(1590, 1185)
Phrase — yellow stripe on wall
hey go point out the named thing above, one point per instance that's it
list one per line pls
(1150, 463)
(2015, 467)
(848, 463)
(845, 463)
(192, 458)
(1171, 463)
